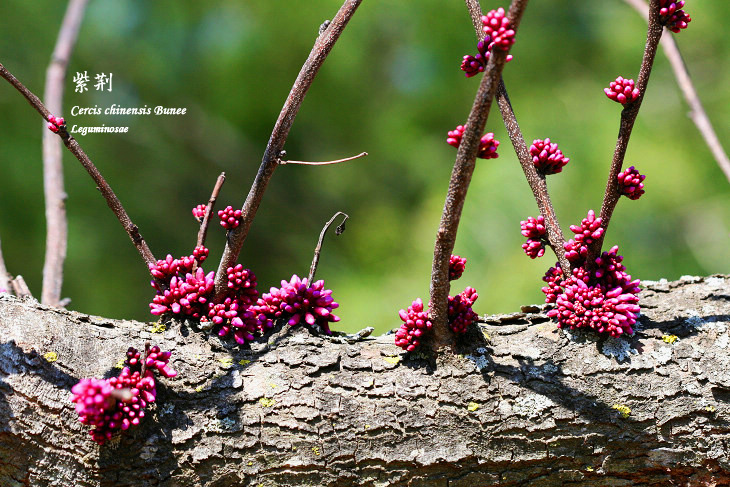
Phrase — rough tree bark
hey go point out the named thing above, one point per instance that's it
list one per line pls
(523, 404)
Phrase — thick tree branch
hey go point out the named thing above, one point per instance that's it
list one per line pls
(71, 144)
(322, 47)
(684, 80)
(459, 184)
(628, 117)
(56, 224)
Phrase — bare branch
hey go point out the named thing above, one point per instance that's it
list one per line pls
(72, 145)
(459, 184)
(536, 180)
(628, 117)
(5, 278)
(325, 163)
(322, 47)
(20, 288)
(203, 232)
(318, 250)
(56, 224)
(697, 111)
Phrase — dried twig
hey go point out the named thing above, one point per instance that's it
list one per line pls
(20, 288)
(459, 184)
(56, 224)
(697, 111)
(5, 278)
(324, 163)
(338, 231)
(322, 47)
(203, 232)
(628, 117)
(72, 145)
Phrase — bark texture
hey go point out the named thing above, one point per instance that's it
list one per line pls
(523, 404)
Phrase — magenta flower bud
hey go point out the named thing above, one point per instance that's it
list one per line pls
(457, 265)
(622, 91)
(199, 212)
(497, 27)
(415, 325)
(546, 156)
(52, 128)
(631, 183)
(672, 15)
(229, 217)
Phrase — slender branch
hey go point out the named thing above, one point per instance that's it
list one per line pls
(459, 184)
(536, 180)
(203, 232)
(5, 278)
(697, 111)
(318, 250)
(106, 190)
(322, 47)
(56, 224)
(20, 288)
(628, 117)
(325, 163)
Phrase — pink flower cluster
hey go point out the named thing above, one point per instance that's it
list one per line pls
(673, 16)
(180, 290)
(546, 156)
(606, 302)
(298, 303)
(415, 324)
(497, 27)
(487, 145)
(622, 90)
(457, 265)
(473, 65)
(590, 229)
(534, 230)
(55, 123)
(230, 218)
(631, 183)
(199, 212)
(460, 313)
(119, 402)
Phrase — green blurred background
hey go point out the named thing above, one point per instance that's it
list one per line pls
(391, 87)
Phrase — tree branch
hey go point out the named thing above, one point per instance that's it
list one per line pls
(324, 163)
(106, 190)
(322, 47)
(536, 181)
(318, 250)
(56, 224)
(5, 278)
(697, 111)
(459, 184)
(628, 117)
(203, 232)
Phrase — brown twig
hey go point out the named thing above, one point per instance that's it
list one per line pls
(56, 224)
(106, 190)
(534, 179)
(459, 184)
(20, 288)
(203, 232)
(325, 163)
(318, 250)
(697, 111)
(5, 278)
(322, 47)
(628, 117)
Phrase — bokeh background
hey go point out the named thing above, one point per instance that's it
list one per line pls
(391, 87)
